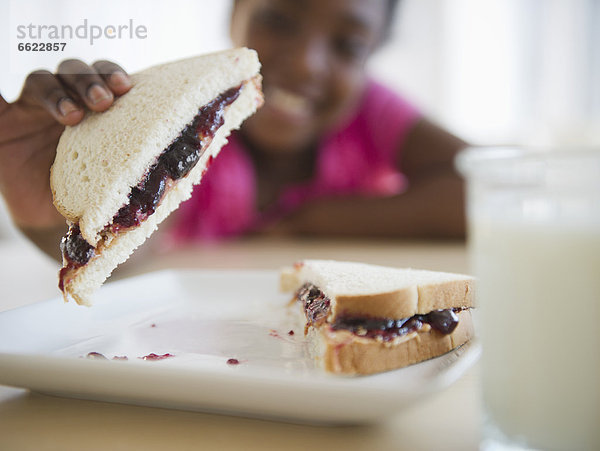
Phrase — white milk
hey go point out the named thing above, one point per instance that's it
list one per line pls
(539, 294)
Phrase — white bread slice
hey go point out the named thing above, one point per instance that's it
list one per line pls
(359, 289)
(99, 160)
(341, 352)
(369, 291)
(194, 74)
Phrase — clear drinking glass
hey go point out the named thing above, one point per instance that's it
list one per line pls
(534, 243)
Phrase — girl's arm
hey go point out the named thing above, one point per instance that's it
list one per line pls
(432, 206)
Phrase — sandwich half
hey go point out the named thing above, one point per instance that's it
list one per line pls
(364, 319)
(119, 173)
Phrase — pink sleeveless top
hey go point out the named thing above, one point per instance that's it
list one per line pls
(360, 158)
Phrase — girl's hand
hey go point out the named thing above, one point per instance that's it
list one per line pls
(31, 126)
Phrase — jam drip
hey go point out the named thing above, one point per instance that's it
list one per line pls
(174, 163)
(317, 305)
(154, 356)
(75, 248)
(76, 252)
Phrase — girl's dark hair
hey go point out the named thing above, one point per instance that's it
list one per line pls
(392, 7)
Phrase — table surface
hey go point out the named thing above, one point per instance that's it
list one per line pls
(446, 420)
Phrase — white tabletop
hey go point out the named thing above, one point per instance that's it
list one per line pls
(446, 420)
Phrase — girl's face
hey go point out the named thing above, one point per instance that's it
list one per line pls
(313, 54)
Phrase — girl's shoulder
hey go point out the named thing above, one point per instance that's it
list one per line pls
(382, 108)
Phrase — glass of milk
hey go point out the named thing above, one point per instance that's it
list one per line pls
(534, 242)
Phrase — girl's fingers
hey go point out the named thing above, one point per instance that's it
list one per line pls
(43, 88)
(90, 87)
(114, 76)
(75, 86)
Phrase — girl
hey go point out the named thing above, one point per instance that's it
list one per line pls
(331, 151)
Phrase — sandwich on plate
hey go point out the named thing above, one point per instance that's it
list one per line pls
(364, 319)
(119, 173)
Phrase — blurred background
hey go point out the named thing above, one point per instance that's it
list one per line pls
(491, 71)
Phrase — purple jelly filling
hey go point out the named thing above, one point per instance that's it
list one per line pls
(444, 321)
(175, 162)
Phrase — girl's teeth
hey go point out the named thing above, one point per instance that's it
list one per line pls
(288, 101)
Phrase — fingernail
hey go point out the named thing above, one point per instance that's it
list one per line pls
(67, 106)
(120, 79)
(97, 94)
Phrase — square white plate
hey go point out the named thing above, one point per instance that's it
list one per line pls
(202, 318)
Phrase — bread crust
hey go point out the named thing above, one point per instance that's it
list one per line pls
(343, 352)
